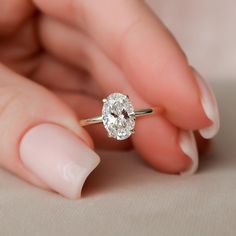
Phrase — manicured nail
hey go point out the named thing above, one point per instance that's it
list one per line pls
(58, 157)
(210, 107)
(189, 147)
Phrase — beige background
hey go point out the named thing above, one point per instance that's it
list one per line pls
(206, 30)
(126, 197)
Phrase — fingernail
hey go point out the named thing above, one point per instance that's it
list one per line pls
(58, 157)
(189, 147)
(210, 107)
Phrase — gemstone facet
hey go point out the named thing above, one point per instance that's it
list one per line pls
(118, 116)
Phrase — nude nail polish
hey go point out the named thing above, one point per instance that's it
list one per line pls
(58, 157)
(210, 107)
(188, 145)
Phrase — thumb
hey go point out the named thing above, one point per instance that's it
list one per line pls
(42, 141)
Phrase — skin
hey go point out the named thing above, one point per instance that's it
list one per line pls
(80, 54)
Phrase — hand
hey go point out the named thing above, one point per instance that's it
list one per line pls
(64, 57)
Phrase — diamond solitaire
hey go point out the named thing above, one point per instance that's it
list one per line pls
(118, 116)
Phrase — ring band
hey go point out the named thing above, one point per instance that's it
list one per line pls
(98, 119)
(118, 116)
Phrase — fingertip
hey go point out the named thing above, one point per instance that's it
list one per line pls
(58, 157)
(158, 143)
(189, 148)
(210, 107)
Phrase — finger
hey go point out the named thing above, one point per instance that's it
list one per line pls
(21, 51)
(41, 139)
(165, 147)
(60, 76)
(13, 14)
(80, 93)
(160, 71)
(103, 70)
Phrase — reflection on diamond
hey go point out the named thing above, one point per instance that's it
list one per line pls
(118, 116)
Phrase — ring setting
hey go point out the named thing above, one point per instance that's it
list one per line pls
(118, 116)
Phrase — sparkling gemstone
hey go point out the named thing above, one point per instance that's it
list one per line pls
(118, 116)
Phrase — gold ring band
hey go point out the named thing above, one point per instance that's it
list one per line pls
(138, 113)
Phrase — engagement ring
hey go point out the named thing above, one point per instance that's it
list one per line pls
(118, 116)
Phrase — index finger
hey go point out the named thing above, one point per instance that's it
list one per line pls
(133, 37)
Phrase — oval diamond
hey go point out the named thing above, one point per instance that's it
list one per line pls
(118, 116)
